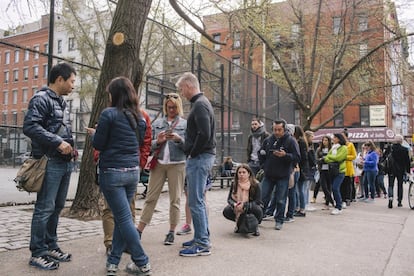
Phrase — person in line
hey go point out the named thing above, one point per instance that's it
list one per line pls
(169, 136)
(254, 142)
(48, 126)
(323, 167)
(379, 181)
(278, 155)
(227, 166)
(292, 194)
(347, 186)
(244, 197)
(312, 169)
(200, 149)
(370, 163)
(107, 215)
(120, 131)
(337, 154)
(400, 166)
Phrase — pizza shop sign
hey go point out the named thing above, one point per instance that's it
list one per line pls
(376, 134)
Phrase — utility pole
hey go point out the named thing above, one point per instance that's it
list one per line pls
(51, 30)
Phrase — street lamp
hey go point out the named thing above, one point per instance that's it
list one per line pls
(51, 30)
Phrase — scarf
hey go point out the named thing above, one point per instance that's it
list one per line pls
(242, 195)
(258, 132)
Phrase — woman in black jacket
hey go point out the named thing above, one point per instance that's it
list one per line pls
(244, 196)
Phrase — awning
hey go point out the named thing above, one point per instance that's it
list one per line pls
(375, 134)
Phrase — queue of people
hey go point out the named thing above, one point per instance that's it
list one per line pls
(185, 152)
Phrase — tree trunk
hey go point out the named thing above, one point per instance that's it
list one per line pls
(121, 59)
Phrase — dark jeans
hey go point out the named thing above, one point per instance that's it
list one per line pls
(369, 181)
(255, 166)
(346, 190)
(325, 181)
(336, 189)
(281, 195)
(391, 179)
(379, 185)
(49, 203)
(255, 209)
(292, 196)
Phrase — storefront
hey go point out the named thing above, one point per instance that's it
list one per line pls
(359, 135)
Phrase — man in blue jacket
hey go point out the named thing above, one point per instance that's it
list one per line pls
(47, 125)
(278, 155)
(200, 148)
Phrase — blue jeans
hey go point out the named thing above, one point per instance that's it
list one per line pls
(119, 187)
(369, 180)
(49, 203)
(281, 193)
(302, 189)
(336, 189)
(292, 195)
(197, 171)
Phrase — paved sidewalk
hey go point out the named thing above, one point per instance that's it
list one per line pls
(366, 239)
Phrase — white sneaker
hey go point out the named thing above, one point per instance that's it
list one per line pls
(343, 205)
(310, 208)
(336, 211)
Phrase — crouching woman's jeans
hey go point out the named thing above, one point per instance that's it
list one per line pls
(119, 187)
(255, 209)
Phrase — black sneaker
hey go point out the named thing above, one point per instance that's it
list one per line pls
(44, 262)
(299, 214)
(59, 255)
(169, 239)
(390, 204)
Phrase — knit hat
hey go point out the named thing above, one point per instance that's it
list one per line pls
(291, 128)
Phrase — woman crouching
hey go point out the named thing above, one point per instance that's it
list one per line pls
(244, 200)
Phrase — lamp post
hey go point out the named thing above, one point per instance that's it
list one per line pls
(51, 30)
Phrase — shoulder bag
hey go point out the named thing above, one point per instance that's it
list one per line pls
(31, 175)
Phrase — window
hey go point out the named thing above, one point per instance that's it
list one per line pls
(36, 54)
(295, 31)
(217, 37)
(5, 97)
(26, 55)
(235, 120)
(364, 113)
(25, 95)
(14, 96)
(16, 75)
(339, 119)
(71, 44)
(362, 22)
(59, 46)
(236, 65)
(6, 76)
(34, 89)
(35, 72)
(275, 65)
(4, 118)
(25, 73)
(16, 56)
(45, 71)
(14, 114)
(7, 58)
(336, 25)
(46, 48)
(236, 40)
(363, 49)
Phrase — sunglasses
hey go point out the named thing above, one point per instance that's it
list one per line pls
(171, 96)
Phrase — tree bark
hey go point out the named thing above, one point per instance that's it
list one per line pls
(121, 59)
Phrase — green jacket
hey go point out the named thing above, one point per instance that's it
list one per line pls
(340, 157)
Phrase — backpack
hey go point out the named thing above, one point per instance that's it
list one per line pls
(247, 223)
(387, 164)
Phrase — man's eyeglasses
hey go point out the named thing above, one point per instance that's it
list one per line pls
(171, 96)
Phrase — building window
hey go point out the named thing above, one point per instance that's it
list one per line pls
(59, 46)
(235, 124)
(236, 40)
(339, 119)
(363, 50)
(295, 31)
(7, 58)
(5, 97)
(15, 75)
(71, 44)
(14, 97)
(26, 55)
(35, 72)
(46, 48)
(275, 64)
(25, 73)
(364, 113)
(16, 56)
(362, 22)
(4, 118)
(36, 49)
(14, 114)
(217, 37)
(34, 89)
(6, 76)
(45, 71)
(236, 65)
(336, 25)
(25, 95)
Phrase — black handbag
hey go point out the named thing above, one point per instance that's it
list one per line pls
(247, 223)
(333, 168)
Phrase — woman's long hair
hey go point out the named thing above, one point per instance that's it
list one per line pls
(124, 96)
(252, 179)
